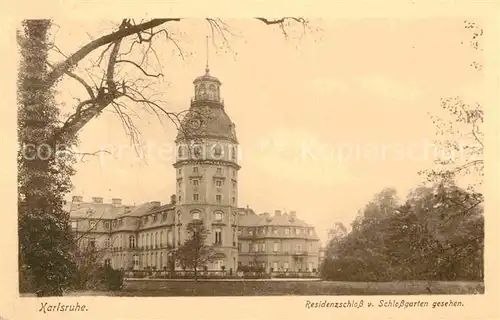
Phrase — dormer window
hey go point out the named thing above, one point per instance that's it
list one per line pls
(197, 151)
(217, 150)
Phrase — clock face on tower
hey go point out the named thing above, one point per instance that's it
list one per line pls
(195, 123)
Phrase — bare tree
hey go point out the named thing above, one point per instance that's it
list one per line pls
(120, 92)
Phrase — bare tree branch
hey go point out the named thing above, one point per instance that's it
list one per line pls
(140, 68)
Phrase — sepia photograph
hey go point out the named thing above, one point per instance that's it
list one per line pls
(278, 156)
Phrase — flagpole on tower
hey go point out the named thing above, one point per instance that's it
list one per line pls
(207, 69)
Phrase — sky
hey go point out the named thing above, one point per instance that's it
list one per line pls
(325, 119)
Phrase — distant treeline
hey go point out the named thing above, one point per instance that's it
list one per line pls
(437, 234)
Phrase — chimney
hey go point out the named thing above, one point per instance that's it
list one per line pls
(97, 199)
(156, 203)
(293, 215)
(116, 202)
(277, 213)
(77, 199)
(173, 199)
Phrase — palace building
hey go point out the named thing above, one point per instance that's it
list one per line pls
(144, 236)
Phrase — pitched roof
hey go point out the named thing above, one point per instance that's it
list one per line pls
(265, 219)
(141, 210)
(95, 210)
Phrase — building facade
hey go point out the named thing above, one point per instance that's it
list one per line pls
(144, 236)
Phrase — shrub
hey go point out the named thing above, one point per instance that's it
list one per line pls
(112, 279)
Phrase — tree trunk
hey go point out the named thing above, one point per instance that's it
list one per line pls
(44, 233)
(195, 274)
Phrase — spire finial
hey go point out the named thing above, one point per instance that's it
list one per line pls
(207, 69)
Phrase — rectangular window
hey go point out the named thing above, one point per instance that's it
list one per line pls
(287, 231)
(218, 198)
(195, 169)
(195, 182)
(74, 224)
(276, 247)
(234, 184)
(179, 171)
(275, 266)
(218, 236)
(218, 183)
(195, 197)
(285, 266)
(219, 170)
(180, 199)
(234, 200)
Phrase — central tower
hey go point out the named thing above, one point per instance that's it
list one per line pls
(207, 172)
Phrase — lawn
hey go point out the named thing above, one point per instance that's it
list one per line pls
(149, 288)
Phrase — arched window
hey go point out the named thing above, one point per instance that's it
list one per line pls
(212, 92)
(195, 215)
(131, 242)
(217, 150)
(143, 242)
(161, 239)
(218, 215)
(196, 151)
(156, 240)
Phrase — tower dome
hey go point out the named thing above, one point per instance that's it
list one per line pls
(206, 117)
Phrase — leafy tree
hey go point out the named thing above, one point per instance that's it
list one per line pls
(195, 253)
(461, 144)
(44, 232)
(437, 234)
